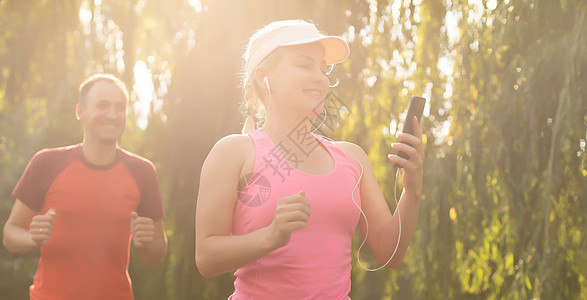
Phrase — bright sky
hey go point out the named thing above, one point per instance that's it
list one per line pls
(144, 90)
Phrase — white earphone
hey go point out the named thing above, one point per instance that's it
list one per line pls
(267, 83)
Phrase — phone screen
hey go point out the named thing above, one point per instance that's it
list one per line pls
(416, 108)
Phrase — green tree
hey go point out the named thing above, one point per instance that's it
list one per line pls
(506, 121)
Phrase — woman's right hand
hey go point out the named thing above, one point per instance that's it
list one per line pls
(292, 213)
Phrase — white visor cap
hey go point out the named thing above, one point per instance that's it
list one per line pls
(290, 33)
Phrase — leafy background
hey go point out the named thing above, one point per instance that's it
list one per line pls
(503, 208)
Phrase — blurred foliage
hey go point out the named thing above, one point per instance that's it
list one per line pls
(502, 214)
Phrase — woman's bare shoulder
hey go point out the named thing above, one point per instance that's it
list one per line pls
(353, 149)
(234, 144)
(232, 151)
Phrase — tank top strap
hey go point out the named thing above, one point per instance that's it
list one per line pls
(266, 153)
(262, 142)
(338, 154)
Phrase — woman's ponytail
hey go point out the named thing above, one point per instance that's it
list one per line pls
(251, 109)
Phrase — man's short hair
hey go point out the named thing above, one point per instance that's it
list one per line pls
(87, 85)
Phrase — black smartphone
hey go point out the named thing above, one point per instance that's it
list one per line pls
(415, 109)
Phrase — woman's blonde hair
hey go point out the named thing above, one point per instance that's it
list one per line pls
(254, 100)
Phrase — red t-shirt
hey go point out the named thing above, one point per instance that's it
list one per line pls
(88, 253)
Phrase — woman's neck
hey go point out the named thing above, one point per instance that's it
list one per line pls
(291, 132)
(280, 126)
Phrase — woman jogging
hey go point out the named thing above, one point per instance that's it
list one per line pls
(279, 205)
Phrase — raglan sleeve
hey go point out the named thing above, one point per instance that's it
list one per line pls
(151, 204)
(30, 188)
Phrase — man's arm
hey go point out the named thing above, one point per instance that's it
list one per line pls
(149, 238)
(26, 230)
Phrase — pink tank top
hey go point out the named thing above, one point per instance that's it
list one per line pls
(316, 264)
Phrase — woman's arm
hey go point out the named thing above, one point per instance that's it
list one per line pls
(217, 251)
(383, 225)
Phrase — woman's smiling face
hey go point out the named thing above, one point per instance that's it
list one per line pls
(299, 80)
